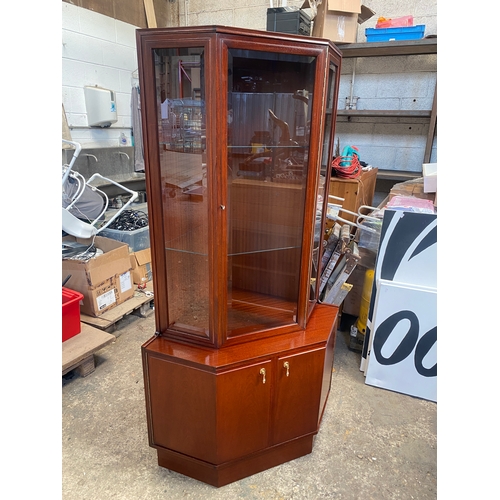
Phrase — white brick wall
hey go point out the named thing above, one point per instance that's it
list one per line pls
(96, 50)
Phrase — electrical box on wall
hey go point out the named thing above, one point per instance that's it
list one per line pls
(101, 106)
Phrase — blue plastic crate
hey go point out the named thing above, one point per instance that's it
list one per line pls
(391, 34)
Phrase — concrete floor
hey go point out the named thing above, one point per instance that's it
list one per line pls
(372, 444)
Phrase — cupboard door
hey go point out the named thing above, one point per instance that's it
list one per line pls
(182, 408)
(243, 410)
(298, 390)
(270, 162)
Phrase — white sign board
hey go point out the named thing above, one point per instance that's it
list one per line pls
(403, 355)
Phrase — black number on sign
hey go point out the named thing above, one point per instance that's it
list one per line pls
(406, 346)
(423, 347)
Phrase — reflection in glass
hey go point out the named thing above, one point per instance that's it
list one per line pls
(269, 103)
(323, 189)
(181, 128)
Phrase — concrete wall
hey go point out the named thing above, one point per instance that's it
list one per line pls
(393, 83)
(389, 83)
(252, 13)
(99, 50)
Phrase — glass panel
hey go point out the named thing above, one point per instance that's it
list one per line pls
(317, 264)
(269, 100)
(181, 127)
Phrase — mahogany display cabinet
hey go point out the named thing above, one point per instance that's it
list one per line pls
(238, 128)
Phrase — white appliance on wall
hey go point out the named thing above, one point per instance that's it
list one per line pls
(101, 106)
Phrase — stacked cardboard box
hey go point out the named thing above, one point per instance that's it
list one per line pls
(338, 19)
(105, 281)
(141, 266)
(412, 187)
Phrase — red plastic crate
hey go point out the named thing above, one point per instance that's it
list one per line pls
(71, 325)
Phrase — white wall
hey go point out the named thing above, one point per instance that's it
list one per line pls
(96, 50)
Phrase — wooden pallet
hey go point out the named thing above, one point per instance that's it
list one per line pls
(138, 305)
(78, 351)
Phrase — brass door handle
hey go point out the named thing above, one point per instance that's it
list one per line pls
(286, 365)
(263, 373)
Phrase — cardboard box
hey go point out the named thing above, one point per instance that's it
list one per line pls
(104, 281)
(352, 6)
(412, 187)
(366, 13)
(141, 266)
(337, 26)
(338, 19)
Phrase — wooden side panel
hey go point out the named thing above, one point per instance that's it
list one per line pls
(182, 408)
(327, 371)
(298, 390)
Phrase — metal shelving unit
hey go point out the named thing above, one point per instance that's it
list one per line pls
(395, 48)
(383, 49)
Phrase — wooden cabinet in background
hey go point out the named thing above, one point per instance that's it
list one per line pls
(356, 192)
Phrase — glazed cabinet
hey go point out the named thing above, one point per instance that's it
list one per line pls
(238, 128)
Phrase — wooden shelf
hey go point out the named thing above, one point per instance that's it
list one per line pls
(392, 113)
(396, 48)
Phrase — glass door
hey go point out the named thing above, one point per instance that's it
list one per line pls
(324, 178)
(179, 78)
(269, 103)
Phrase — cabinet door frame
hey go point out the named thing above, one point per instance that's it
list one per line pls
(216, 42)
(243, 411)
(321, 54)
(298, 383)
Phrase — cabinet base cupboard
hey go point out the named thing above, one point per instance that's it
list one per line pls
(238, 128)
(220, 416)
